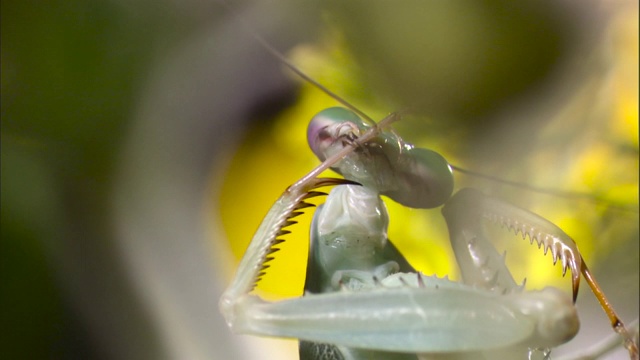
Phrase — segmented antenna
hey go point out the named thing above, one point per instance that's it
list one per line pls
(304, 76)
(554, 192)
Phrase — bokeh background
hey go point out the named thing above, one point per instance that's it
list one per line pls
(143, 141)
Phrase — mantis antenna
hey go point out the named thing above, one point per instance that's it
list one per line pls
(304, 76)
(310, 180)
(559, 193)
(554, 192)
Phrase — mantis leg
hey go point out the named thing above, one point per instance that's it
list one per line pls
(480, 265)
(418, 320)
(603, 347)
(253, 265)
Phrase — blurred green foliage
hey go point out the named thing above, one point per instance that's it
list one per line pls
(69, 72)
(455, 59)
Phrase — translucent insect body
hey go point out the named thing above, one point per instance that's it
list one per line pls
(364, 300)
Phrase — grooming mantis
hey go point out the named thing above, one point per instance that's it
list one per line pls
(384, 290)
(348, 141)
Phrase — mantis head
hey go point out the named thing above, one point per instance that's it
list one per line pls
(414, 177)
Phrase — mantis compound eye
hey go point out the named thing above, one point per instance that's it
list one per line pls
(414, 177)
(329, 126)
(424, 179)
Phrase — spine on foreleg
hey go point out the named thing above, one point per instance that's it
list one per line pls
(480, 264)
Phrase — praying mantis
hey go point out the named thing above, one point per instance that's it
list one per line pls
(365, 299)
(363, 295)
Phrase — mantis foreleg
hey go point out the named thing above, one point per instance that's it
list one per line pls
(480, 264)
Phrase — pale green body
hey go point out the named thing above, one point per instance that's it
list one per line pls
(493, 319)
(365, 300)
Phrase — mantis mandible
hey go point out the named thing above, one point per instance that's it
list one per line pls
(364, 300)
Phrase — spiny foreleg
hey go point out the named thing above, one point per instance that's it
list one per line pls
(253, 264)
(468, 207)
